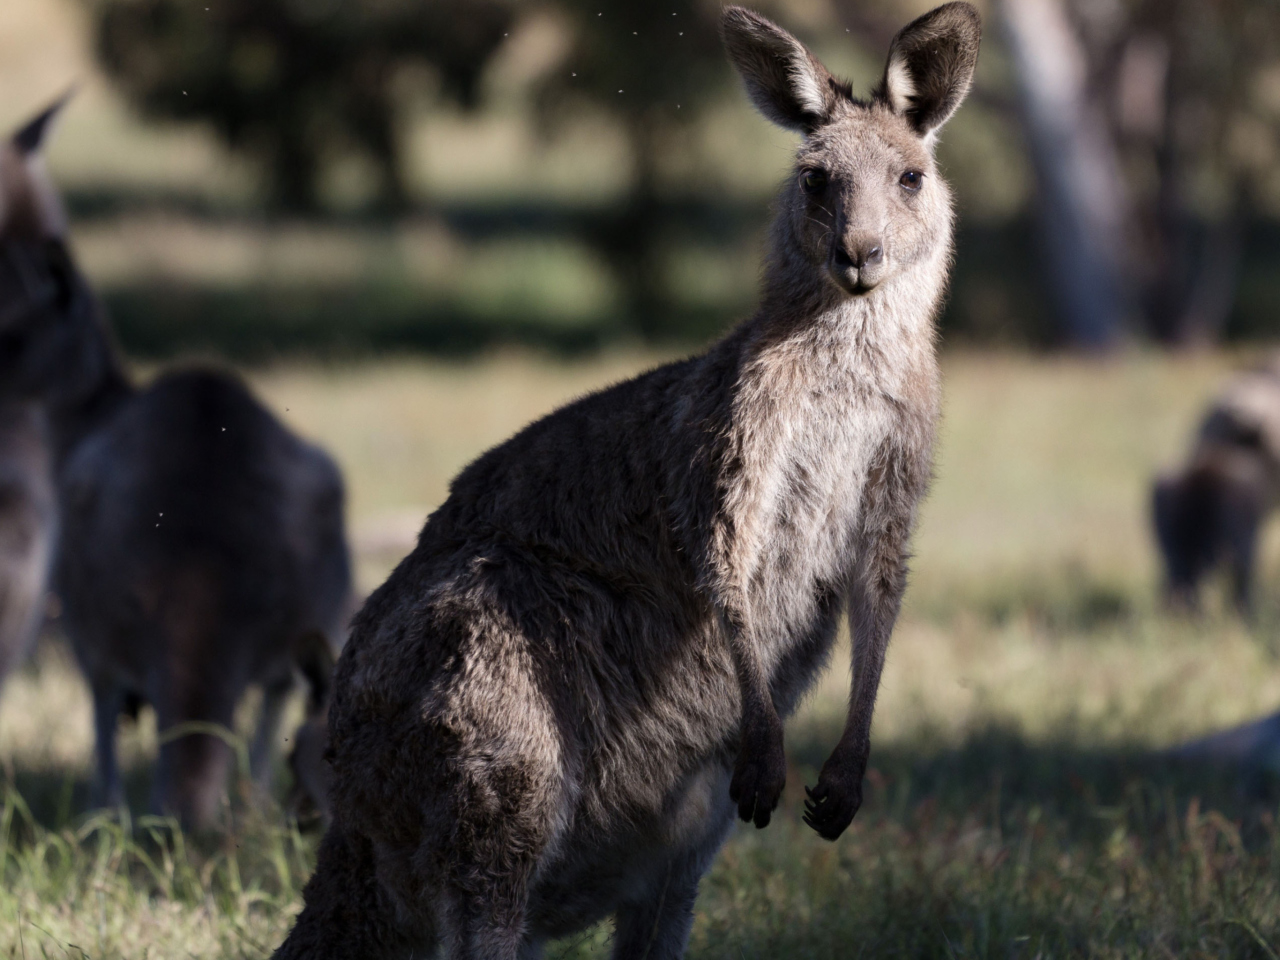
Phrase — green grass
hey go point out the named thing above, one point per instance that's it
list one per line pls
(1018, 805)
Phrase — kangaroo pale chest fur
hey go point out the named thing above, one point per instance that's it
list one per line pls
(553, 709)
(813, 418)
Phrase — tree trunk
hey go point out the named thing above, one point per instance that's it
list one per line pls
(1081, 194)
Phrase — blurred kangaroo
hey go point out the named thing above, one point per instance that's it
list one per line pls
(1251, 750)
(200, 540)
(1211, 511)
(309, 797)
(27, 524)
(550, 711)
(27, 512)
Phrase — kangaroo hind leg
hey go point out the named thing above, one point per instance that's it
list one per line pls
(348, 914)
(657, 927)
(108, 700)
(503, 816)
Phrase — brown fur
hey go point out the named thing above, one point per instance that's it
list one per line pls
(27, 524)
(553, 708)
(308, 760)
(29, 212)
(199, 539)
(1210, 511)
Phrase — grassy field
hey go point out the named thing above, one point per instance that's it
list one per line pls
(1018, 804)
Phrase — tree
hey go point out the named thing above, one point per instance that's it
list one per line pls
(1184, 86)
(296, 82)
(651, 65)
(1082, 196)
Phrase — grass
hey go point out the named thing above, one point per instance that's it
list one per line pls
(1018, 804)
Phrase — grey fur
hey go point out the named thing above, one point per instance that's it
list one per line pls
(200, 540)
(29, 212)
(27, 525)
(1252, 747)
(311, 779)
(1210, 511)
(552, 709)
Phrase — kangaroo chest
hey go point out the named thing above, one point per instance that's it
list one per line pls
(797, 515)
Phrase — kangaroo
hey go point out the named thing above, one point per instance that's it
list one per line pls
(1211, 510)
(552, 709)
(309, 797)
(200, 540)
(27, 525)
(28, 519)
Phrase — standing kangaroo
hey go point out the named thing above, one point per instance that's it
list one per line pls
(200, 540)
(551, 709)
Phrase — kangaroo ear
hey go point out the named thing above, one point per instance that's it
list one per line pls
(930, 66)
(784, 80)
(29, 202)
(31, 137)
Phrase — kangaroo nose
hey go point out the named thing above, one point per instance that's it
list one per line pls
(859, 255)
(857, 263)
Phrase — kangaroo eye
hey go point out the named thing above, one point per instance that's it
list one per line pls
(911, 180)
(813, 181)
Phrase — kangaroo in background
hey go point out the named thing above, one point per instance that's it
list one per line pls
(200, 540)
(1211, 510)
(309, 797)
(27, 524)
(27, 512)
(551, 710)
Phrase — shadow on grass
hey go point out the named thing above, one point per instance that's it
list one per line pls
(59, 798)
(249, 324)
(998, 847)
(1087, 789)
(990, 298)
(996, 769)
(1004, 848)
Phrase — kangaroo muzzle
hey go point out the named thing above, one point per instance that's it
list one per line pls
(856, 265)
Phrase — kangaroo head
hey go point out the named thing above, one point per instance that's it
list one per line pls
(865, 200)
(50, 332)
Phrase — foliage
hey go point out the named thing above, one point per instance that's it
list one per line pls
(296, 82)
(1191, 95)
(651, 65)
(1185, 92)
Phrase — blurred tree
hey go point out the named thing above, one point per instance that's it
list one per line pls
(296, 82)
(1191, 92)
(1082, 197)
(652, 65)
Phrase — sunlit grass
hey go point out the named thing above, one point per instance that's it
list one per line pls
(106, 887)
(1018, 803)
